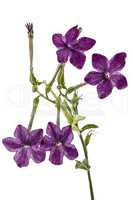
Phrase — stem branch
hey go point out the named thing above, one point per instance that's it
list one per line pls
(45, 97)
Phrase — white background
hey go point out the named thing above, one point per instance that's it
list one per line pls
(110, 151)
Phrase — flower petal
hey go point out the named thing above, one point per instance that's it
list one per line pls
(104, 88)
(70, 151)
(100, 62)
(54, 131)
(56, 155)
(72, 34)
(47, 143)
(38, 155)
(93, 78)
(119, 81)
(84, 44)
(12, 144)
(67, 134)
(62, 55)
(22, 157)
(36, 136)
(77, 59)
(117, 62)
(21, 133)
(58, 40)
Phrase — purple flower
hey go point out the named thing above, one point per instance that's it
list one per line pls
(107, 75)
(26, 144)
(71, 47)
(58, 142)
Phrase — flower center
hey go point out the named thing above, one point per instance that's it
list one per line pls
(58, 143)
(26, 146)
(69, 46)
(107, 75)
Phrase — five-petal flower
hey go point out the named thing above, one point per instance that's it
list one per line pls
(107, 75)
(58, 142)
(71, 47)
(26, 144)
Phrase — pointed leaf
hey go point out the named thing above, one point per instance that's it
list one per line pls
(66, 110)
(88, 126)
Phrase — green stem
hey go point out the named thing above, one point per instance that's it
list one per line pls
(88, 172)
(80, 85)
(58, 111)
(34, 109)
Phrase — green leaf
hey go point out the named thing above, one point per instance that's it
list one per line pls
(88, 126)
(60, 78)
(82, 165)
(87, 139)
(67, 106)
(75, 102)
(67, 112)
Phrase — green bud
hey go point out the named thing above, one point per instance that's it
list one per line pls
(60, 78)
(87, 139)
